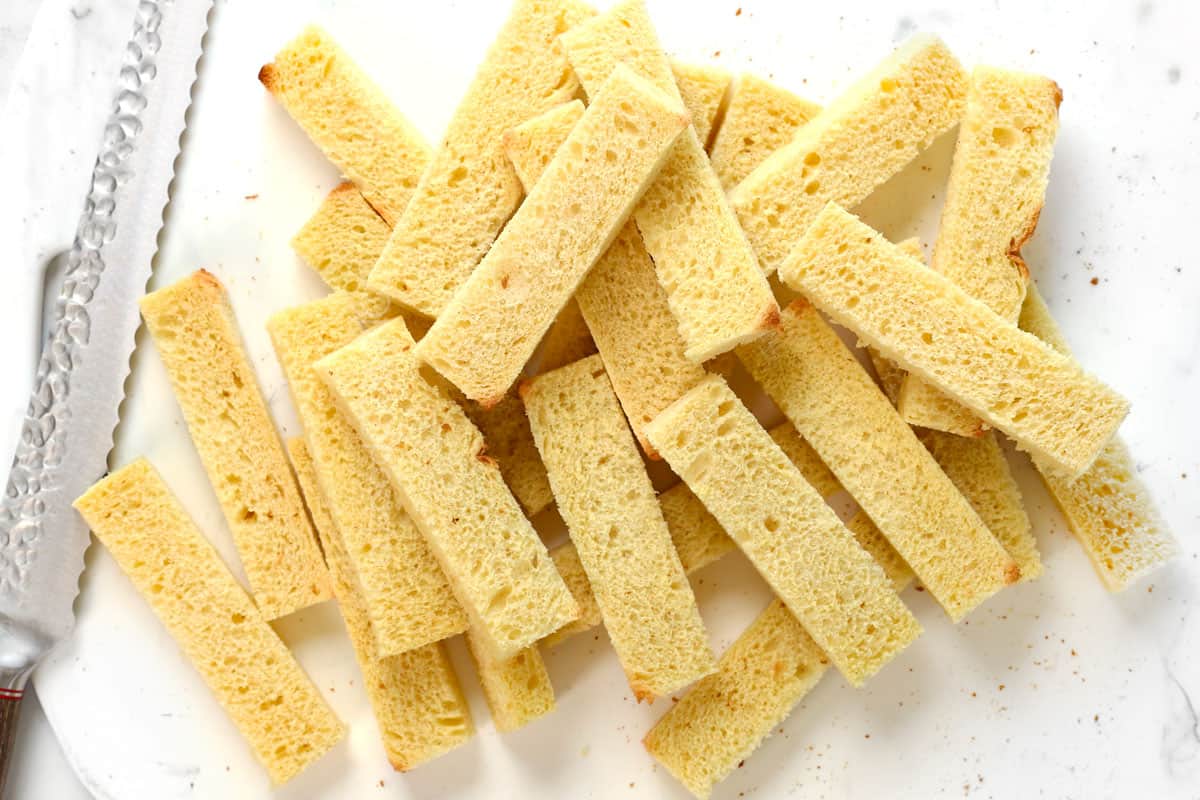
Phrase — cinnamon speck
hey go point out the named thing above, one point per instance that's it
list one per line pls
(737, 13)
(252, 197)
(1073, 652)
(1002, 687)
(741, 763)
(1095, 281)
(716, 53)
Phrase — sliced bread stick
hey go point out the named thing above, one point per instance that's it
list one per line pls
(435, 458)
(714, 286)
(517, 689)
(408, 598)
(470, 190)
(1108, 507)
(702, 88)
(921, 320)
(614, 520)
(621, 300)
(993, 201)
(349, 118)
(416, 697)
(196, 335)
(813, 377)
(274, 705)
(978, 469)
(785, 528)
(760, 119)
(700, 540)
(489, 330)
(855, 144)
(759, 680)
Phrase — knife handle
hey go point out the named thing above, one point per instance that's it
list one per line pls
(12, 690)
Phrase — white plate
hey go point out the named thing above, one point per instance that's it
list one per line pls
(1055, 686)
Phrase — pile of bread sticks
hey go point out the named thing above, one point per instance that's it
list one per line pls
(557, 294)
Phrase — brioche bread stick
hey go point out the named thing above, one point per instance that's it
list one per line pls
(517, 689)
(916, 317)
(416, 697)
(349, 118)
(759, 680)
(702, 88)
(975, 466)
(408, 598)
(978, 469)
(433, 455)
(993, 200)
(1108, 508)
(760, 119)
(713, 283)
(836, 407)
(784, 526)
(470, 190)
(854, 145)
(489, 330)
(197, 337)
(700, 540)
(621, 300)
(274, 705)
(342, 241)
(614, 520)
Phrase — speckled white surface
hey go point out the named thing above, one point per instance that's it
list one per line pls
(1055, 688)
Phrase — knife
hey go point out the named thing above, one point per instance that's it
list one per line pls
(67, 432)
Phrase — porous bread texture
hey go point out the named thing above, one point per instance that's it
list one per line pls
(853, 146)
(759, 679)
(266, 694)
(531, 145)
(722, 720)
(489, 330)
(818, 384)
(621, 300)
(342, 240)
(978, 469)
(349, 118)
(1108, 507)
(469, 190)
(993, 199)
(417, 701)
(435, 458)
(700, 540)
(509, 441)
(567, 340)
(407, 597)
(517, 689)
(713, 283)
(782, 524)
(614, 520)
(702, 88)
(922, 321)
(197, 337)
(760, 118)
(888, 375)
(566, 561)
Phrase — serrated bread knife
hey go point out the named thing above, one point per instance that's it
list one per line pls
(67, 431)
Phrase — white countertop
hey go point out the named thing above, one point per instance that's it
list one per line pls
(1015, 661)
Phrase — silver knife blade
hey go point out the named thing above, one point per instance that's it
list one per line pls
(73, 409)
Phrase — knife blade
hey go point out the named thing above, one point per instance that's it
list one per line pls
(68, 428)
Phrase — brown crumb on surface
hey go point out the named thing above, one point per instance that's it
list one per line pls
(252, 197)
(1002, 687)
(1095, 281)
(737, 13)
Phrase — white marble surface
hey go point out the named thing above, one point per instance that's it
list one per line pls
(1054, 688)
